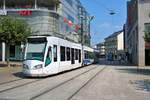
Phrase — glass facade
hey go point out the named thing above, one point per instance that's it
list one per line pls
(41, 22)
(46, 17)
(15, 4)
(19, 3)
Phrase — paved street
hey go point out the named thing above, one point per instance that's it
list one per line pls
(94, 82)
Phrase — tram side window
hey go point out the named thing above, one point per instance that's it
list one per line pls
(91, 55)
(79, 56)
(85, 55)
(62, 53)
(76, 52)
(48, 57)
(68, 54)
(55, 53)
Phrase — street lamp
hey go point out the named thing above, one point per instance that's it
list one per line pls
(112, 12)
(89, 24)
(82, 18)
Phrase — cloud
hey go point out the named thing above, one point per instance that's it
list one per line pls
(118, 27)
(105, 25)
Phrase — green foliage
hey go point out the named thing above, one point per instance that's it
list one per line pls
(13, 30)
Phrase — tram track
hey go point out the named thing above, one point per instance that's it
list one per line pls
(21, 85)
(60, 84)
(10, 81)
(85, 84)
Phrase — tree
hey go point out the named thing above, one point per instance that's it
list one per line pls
(13, 31)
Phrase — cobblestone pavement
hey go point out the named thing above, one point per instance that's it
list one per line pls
(95, 82)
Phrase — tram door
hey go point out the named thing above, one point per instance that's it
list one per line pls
(72, 56)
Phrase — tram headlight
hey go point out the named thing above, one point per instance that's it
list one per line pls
(25, 66)
(38, 66)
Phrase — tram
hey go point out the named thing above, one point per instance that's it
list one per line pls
(47, 55)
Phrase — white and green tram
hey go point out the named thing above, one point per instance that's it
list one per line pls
(47, 55)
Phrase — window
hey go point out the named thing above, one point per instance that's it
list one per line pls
(50, 4)
(72, 56)
(1, 4)
(55, 53)
(62, 53)
(79, 56)
(33, 53)
(69, 2)
(85, 55)
(48, 57)
(90, 55)
(147, 26)
(12, 51)
(68, 53)
(71, 18)
(20, 3)
(0, 51)
(76, 54)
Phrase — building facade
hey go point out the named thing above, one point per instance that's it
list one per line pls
(138, 19)
(114, 45)
(60, 18)
(101, 49)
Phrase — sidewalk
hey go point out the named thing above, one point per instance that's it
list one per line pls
(13, 64)
(118, 83)
(9, 73)
(117, 63)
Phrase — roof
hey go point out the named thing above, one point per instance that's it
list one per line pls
(114, 34)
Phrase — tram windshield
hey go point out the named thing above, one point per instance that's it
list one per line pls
(35, 49)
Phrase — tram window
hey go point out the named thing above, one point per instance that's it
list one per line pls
(68, 54)
(76, 53)
(85, 55)
(55, 53)
(62, 53)
(48, 57)
(79, 56)
(91, 55)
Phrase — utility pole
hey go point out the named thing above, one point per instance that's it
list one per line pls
(4, 5)
(89, 25)
(3, 44)
(82, 18)
(35, 4)
(82, 32)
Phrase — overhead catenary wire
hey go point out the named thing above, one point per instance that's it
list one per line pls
(109, 10)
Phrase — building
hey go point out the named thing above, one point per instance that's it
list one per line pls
(60, 18)
(114, 45)
(138, 19)
(101, 48)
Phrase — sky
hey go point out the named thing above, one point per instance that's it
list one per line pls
(105, 24)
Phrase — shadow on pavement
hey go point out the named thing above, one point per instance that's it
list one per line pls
(141, 85)
(134, 70)
(19, 74)
(3, 65)
(112, 62)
